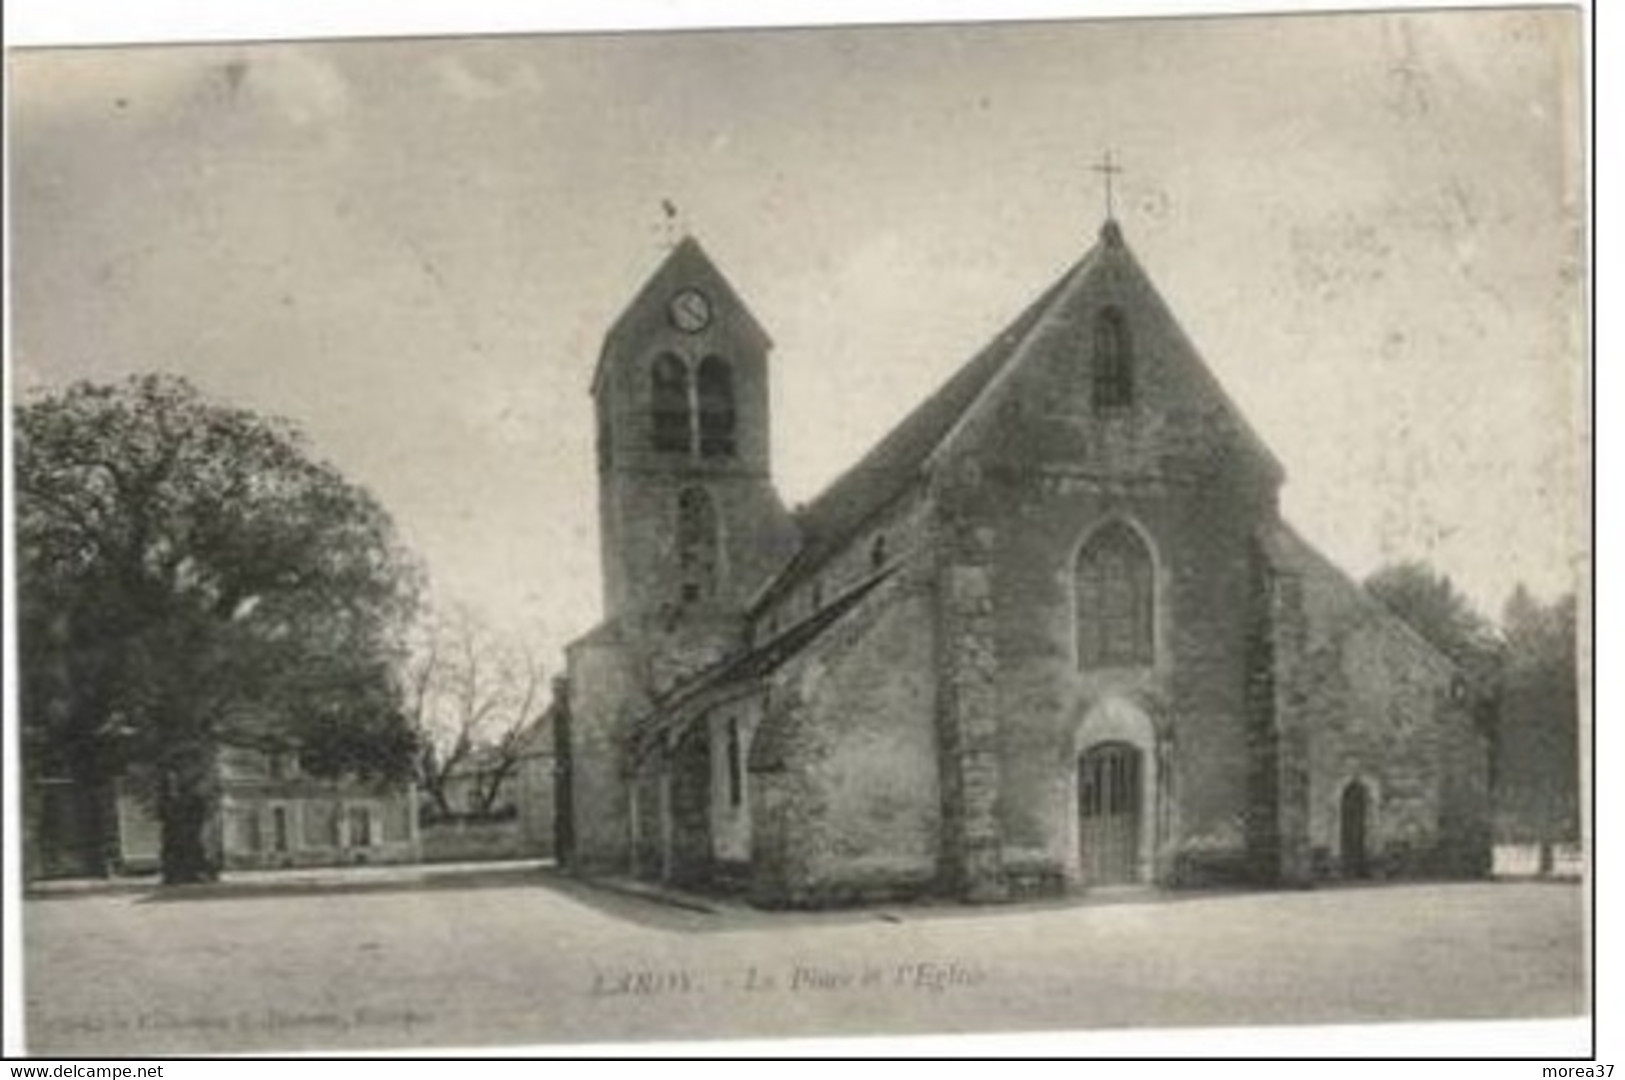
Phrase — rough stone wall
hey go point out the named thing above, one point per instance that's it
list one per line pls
(1033, 472)
(968, 717)
(843, 783)
(647, 793)
(689, 803)
(730, 822)
(1016, 681)
(901, 527)
(639, 486)
(1285, 733)
(533, 783)
(605, 696)
(1380, 707)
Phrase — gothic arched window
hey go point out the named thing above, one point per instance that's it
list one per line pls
(696, 545)
(1113, 361)
(669, 409)
(1115, 593)
(717, 417)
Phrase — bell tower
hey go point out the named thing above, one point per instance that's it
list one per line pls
(690, 523)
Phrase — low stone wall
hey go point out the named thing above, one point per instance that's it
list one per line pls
(1524, 860)
(472, 841)
(300, 858)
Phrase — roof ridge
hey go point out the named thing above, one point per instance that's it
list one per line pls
(1366, 597)
(875, 480)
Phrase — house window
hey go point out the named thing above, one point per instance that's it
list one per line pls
(321, 824)
(696, 545)
(1113, 361)
(669, 407)
(736, 765)
(1115, 600)
(359, 819)
(717, 416)
(242, 829)
(279, 828)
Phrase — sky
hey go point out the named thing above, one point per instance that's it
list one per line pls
(1370, 225)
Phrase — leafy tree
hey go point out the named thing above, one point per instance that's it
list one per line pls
(189, 577)
(1537, 768)
(1435, 609)
(471, 697)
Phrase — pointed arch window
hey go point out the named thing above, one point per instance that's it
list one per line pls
(717, 415)
(696, 545)
(736, 764)
(669, 408)
(1115, 594)
(1113, 361)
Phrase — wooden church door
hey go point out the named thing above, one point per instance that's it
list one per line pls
(1353, 814)
(1109, 798)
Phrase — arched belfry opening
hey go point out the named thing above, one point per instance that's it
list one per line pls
(669, 413)
(717, 415)
(1114, 579)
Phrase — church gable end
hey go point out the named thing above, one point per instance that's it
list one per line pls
(1106, 381)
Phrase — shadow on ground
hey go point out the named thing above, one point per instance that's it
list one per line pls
(691, 912)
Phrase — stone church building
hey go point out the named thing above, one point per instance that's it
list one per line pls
(1051, 633)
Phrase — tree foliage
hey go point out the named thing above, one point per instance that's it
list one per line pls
(1538, 761)
(189, 576)
(1431, 604)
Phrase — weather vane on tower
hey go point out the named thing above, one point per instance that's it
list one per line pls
(671, 223)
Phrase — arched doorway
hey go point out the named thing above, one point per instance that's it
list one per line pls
(1110, 801)
(1353, 814)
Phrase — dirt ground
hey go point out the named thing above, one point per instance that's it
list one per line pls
(534, 958)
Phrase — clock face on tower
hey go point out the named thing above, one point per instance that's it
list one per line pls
(690, 311)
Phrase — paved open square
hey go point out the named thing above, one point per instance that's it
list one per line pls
(536, 958)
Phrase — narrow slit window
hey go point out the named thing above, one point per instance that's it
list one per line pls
(1113, 361)
(736, 765)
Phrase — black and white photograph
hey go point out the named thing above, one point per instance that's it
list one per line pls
(702, 533)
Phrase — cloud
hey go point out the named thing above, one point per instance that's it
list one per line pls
(456, 79)
(293, 85)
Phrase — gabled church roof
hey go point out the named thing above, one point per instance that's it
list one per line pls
(683, 702)
(687, 265)
(904, 455)
(1287, 551)
(894, 463)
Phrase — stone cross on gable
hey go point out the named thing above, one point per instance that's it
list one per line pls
(1107, 169)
